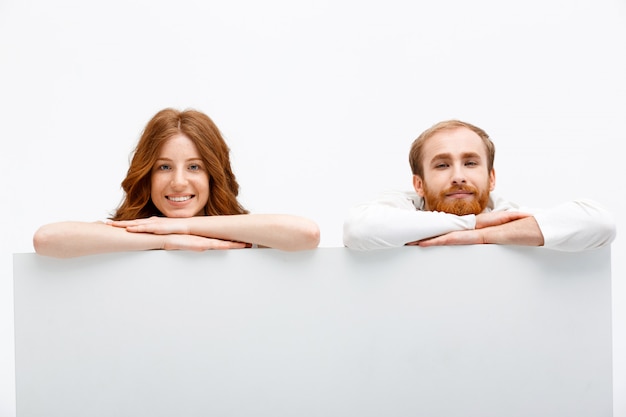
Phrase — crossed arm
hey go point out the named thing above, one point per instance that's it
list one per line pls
(279, 231)
(502, 227)
(393, 221)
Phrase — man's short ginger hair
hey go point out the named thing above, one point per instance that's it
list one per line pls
(416, 153)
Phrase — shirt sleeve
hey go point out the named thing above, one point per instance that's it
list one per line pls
(392, 220)
(576, 226)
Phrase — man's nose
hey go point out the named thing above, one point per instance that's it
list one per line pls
(458, 175)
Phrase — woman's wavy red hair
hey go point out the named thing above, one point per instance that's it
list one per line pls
(197, 126)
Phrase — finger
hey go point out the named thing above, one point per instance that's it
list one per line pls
(114, 223)
(137, 229)
(217, 244)
(122, 223)
(427, 242)
(234, 245)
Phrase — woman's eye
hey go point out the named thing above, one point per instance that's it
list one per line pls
(163, 167)
(194, 167)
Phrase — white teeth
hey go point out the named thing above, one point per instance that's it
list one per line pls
(179, 199)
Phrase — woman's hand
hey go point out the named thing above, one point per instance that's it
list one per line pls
(177, 234)
(155, 225)
(199, 243)
(285, 232)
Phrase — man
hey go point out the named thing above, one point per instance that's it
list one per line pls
(453, 177)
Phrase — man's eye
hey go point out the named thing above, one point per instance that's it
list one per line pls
(442, 165)
(471, 163)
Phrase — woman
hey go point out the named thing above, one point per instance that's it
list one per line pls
(180, 193)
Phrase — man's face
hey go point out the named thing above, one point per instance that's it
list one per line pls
(456, 179)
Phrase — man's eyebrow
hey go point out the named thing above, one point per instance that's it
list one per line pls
(441, 156)
(464, 155)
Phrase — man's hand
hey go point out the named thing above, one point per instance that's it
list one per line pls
(503, 228)
(462, 237)
(496, 218)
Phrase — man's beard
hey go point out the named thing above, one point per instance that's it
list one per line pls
(459, 206)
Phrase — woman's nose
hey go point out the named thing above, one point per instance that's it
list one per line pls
(179, 178)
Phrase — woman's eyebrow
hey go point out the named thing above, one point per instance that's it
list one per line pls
(186, 160)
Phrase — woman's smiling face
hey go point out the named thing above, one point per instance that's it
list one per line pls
(179, 179)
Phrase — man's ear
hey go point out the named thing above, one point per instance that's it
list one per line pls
(418, 185)
(492, 180)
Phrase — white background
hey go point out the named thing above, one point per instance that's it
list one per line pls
(318, 100)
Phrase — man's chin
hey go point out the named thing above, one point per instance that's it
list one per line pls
(460, 207)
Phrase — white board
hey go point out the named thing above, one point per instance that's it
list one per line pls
(447, 331)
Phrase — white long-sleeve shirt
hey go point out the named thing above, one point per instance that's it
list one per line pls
(397, 218)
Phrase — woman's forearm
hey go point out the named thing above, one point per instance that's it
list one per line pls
(71, 239)
(279, 231)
